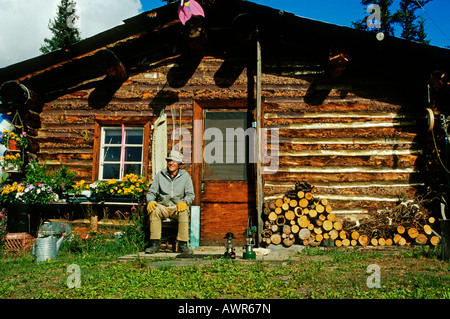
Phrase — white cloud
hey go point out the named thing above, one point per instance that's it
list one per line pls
(24, 23)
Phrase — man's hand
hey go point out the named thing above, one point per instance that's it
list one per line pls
(181, 206)
(151, 206)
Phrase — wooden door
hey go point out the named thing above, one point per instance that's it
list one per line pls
(224, 177)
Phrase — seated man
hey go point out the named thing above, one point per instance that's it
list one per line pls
(169, 196)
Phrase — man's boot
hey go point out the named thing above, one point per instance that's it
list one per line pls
(154, 247)
(184, 249)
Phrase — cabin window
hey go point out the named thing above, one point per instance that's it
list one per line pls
(121, 151)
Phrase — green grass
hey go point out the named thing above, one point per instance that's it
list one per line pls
(314, 273)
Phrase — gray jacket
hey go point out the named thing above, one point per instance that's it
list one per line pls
(169, 192)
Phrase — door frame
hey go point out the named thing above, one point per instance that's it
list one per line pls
(197, 148)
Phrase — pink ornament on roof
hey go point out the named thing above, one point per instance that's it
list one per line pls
(189, 8)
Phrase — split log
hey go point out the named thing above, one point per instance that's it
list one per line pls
(318, 230)
(303, 221)
(288, 242)
(397, 238)
(363, 240)
(327, 225)
(304, 233)
(434, 240)
(413, 232)
(289, 215)
(421, 239)
(293, 203)
(319, 237)
(303, 202)
(275, 239)
(337, 225)
(427, 229)
(272, 216)
(334, 234)
(281, 220)
(286, 229)
(355, 235)
(312, 213)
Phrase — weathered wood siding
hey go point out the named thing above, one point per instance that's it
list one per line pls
(361, 153)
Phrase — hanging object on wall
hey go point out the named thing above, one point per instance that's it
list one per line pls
(189, 8)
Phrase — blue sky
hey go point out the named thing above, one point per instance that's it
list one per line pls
(343, 12)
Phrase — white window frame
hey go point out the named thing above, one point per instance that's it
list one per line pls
(104, 145)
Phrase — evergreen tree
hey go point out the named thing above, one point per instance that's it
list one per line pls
(413, 27)
(64, 31)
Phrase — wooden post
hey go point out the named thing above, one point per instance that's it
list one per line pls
(259, 182)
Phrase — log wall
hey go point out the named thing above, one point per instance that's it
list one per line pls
(361, 153)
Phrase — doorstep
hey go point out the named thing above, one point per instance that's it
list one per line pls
(272, 253)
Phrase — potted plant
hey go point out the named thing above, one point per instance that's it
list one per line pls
(14, 141)
(12, 162)
(21, 200)
(130, 187)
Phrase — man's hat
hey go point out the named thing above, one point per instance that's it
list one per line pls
(175, 156)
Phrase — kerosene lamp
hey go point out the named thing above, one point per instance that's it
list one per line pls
(230, 252)
(248, 248)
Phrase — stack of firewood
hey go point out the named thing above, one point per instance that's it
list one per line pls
(300, 217)
(407, 223)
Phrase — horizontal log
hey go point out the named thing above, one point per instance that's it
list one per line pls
(389, 140)
(390, 160)
(370, 152)
(345, 114)
(345, 169)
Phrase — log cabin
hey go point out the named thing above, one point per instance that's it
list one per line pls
(340, 109)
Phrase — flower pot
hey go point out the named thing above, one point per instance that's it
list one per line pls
(12, 145)
(11, 168)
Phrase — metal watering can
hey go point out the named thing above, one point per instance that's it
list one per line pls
(46, 246)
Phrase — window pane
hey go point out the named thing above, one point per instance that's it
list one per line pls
(112, 154)
(133, 154)
(232, 164)
(132, 169)
(134, 137)
(113, 136)
(111, 171)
